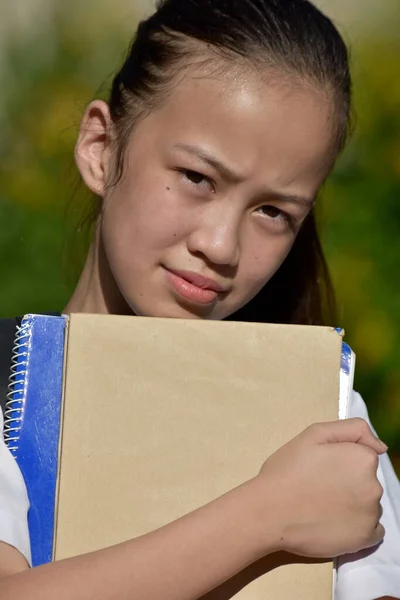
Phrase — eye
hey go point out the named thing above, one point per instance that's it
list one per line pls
(196, 179)
(276, 216)
(271, 211)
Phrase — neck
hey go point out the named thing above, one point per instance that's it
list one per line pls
(97, 291)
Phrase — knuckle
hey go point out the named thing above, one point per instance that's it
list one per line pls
(362, 425)
(372, 531)
(366, 538)
(370, 458)
(372, 495)
(377, 535)
(316, 429)
(376, 514)
(373, 460)
(378, 492)
(379, 513)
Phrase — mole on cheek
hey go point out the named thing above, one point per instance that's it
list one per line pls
(168, 189)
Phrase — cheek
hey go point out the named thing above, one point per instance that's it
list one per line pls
(261, 261)
(143, 218)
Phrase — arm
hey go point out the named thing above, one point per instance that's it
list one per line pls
(11, 561)
(181, 561)
(193, 555)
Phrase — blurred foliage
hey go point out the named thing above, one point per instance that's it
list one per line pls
(51, 78)
(362, 232)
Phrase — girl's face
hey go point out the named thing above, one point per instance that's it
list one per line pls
(217, 184)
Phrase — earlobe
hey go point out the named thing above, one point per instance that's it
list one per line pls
(92, 154)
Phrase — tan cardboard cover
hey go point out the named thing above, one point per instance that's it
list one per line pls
(163, 415)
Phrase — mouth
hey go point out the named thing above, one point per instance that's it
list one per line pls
(194, 287)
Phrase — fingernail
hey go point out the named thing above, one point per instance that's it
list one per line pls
(384, 446)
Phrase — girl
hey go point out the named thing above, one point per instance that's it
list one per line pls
(221, 127)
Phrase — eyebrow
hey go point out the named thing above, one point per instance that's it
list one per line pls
(292, 199)
(210, 160)
(230, 175)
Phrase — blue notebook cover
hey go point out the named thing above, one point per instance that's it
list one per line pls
(32, 421)
(34, 412)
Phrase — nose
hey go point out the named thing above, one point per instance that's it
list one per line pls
(216, 237)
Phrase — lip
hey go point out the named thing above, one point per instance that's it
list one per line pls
(194, 287)
(204, 283)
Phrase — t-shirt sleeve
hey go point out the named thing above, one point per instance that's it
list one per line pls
(14, 503)
(375, 573)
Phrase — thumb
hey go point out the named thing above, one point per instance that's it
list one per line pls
(350, 430)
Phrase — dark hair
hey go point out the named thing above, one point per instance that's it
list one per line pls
(283, 36)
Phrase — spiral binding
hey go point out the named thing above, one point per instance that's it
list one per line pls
(13, 414)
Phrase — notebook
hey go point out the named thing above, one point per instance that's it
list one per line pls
(121, 425)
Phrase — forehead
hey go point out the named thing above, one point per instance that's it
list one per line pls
(278, 127)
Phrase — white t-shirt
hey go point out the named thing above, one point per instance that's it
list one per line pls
(14, 501)
(375, 573)
(366, 575)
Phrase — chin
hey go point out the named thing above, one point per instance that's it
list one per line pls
(175, 310)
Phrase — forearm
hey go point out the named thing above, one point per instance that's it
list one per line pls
(181, 561)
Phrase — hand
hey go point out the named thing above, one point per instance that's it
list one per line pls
(325, 492)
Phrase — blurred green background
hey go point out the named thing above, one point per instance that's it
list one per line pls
(55, 58)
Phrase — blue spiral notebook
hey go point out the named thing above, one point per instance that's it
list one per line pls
(122, 424)
(32, 421)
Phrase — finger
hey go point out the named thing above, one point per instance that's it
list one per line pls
(349, 430)
(380, 511)
(377, 536)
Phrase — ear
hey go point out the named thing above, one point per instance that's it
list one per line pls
(92, 151)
